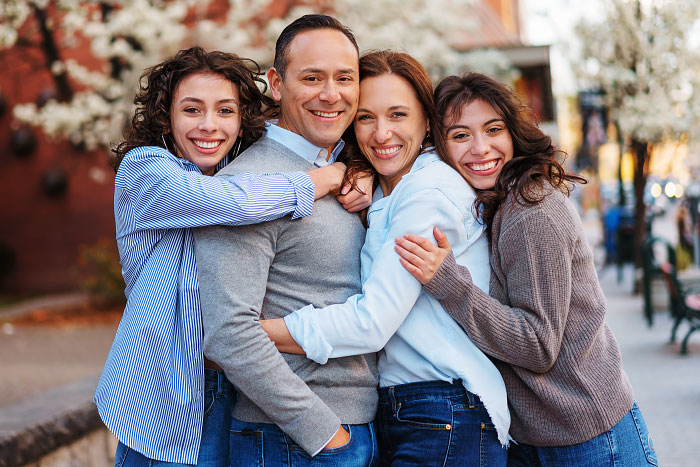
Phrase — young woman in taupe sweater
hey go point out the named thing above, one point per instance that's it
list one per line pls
(543, 319)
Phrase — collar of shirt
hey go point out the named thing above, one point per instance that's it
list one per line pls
(423, 159)
(300, 145)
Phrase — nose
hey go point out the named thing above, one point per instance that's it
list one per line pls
(330, 93)
(208, 122)
(382, 132)
(480, 145)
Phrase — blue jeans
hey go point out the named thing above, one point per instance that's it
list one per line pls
(626, 444)
(219, 397)
(257, 444)
(435, 423)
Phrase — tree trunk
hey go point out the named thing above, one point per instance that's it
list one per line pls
(641, 154)
(48, 44)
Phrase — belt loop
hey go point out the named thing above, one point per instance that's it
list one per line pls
(472, 400)
(392, 398)
(220, 382)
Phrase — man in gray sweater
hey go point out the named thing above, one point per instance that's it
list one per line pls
(290, 407)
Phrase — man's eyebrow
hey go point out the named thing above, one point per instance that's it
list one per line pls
(343, 71)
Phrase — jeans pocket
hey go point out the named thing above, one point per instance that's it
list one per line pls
(644, 435)
(245, 447)
(210, 397)
(428, 414)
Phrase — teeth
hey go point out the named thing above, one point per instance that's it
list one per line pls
(325, 114)
(206, 144)
(387, 151)
(484, 166)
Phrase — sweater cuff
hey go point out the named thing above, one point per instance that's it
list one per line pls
(305, 192)
(451, 281)
(316, 429)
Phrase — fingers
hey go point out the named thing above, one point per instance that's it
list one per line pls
(354, 201)
(414, 271)
(413, 241)
(409, 256)
(441, 238)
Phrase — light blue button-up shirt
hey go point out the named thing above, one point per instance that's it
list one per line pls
(419, 340)
(150, 394)
(315, 154)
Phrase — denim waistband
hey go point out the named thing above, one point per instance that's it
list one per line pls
(427, 389)
(216, 378)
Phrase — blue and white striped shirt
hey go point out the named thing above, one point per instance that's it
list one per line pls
(150, 394)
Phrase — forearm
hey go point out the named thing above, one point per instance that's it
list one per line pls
(278, 333)
(161, 194)
(231, 299)
(526, 334)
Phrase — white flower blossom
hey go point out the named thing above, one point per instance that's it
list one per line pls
(132, 35)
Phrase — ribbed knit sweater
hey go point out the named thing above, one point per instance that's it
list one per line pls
(543, 323)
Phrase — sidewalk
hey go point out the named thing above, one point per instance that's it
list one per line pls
(666, 384)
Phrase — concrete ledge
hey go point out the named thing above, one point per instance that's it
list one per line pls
(43, 424)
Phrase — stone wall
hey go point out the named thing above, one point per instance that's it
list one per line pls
(59, 428)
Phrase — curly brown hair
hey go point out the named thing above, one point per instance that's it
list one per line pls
(534, 158)
(157, 87)
(379, 63)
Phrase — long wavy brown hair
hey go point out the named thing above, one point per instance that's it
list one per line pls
(157, 86)
(379, 63)
(534, 158)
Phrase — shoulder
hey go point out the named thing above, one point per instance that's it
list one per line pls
(266, 155)
(146, 159)
(555, 213)
(431, 175)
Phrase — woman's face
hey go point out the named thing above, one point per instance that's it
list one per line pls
(390, 126)
(205, 119)
(478, 144)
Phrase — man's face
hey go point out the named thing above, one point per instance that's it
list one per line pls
(319, 93)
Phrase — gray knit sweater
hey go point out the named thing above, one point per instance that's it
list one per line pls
(543, 324)
(267, 271)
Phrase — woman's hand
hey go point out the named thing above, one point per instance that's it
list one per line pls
(354, 200)
(340, 438)
(420, 257)
(327, 179)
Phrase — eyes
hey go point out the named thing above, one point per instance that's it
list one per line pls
(464, 135)
(316, 79)
(394, 116)
(225, 111)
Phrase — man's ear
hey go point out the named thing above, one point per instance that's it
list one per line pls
(275, 80)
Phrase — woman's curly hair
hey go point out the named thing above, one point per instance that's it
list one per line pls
(534, 158)
(157, 86)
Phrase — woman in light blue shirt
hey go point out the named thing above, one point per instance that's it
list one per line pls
(442, 401)
(155, 394)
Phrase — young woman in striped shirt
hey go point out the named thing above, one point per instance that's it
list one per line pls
(158, 394)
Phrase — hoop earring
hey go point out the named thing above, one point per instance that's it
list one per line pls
(162, 136)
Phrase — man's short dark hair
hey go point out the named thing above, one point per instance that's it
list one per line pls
(303, 24)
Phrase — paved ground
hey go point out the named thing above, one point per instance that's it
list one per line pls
(666, 384)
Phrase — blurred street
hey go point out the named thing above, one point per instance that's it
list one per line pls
(666, 384)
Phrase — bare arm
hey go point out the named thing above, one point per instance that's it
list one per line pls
(278, 333)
